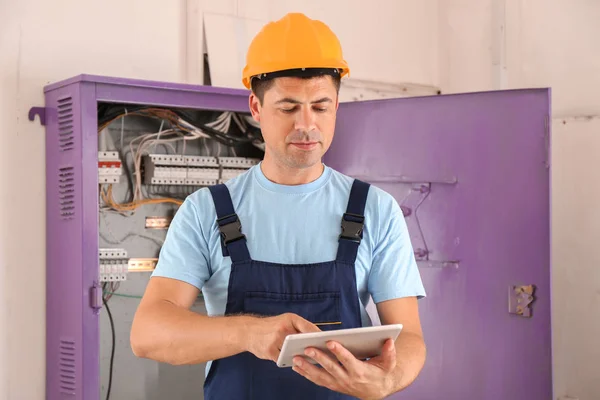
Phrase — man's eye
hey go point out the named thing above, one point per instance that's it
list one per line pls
(320, 109)
(288, 110)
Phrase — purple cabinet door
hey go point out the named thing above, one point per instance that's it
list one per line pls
(73, 293)
(471, 172)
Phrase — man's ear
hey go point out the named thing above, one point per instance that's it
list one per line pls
(254, 104)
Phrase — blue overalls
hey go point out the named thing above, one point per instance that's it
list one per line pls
(323, 292)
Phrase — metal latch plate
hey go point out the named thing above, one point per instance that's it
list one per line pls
(520, 299)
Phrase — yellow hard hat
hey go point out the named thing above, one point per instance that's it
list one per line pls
(292, 46)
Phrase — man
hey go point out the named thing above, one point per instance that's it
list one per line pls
(268, 252)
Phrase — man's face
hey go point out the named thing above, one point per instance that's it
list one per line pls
(297, 119)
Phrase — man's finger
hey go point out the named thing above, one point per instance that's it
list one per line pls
(388, 355)
(274, 354)
(304, 326)
(279, 344)
(328, 363)
(347, 359)
(314, 374)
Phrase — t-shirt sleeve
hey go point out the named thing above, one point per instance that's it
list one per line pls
(394, 272)
(184, 255)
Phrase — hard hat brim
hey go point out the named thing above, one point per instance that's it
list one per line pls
(305, 71)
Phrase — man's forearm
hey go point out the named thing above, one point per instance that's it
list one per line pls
(174, 335)
(410, 358)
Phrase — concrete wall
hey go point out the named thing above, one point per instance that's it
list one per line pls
(41, 42)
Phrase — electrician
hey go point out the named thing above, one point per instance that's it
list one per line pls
(267, 250)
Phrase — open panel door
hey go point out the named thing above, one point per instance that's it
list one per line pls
(471, 172)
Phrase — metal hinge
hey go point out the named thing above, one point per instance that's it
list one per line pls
(96, 296)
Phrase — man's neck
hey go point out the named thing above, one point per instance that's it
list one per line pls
(284, 175)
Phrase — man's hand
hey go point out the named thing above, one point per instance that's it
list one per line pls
(266, 335)
(372, 379)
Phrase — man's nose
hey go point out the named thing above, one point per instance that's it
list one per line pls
(305, 120)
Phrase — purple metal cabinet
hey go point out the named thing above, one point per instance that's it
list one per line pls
(73, 293)
(470, 172)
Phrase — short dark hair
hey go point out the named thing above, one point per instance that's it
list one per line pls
(260, 87)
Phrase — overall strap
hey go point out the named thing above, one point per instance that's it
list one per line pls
(233, 241)
(353, 222)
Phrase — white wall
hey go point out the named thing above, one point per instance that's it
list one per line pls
(41, 42)
(494, 44)
(395, 42)
(36, 49)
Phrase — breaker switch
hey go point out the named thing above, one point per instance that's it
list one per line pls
(114, 265)
(110, 167)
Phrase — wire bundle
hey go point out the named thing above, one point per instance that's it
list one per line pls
(181, 128)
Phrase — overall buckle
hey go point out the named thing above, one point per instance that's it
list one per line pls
(232, 230)
(352, 227)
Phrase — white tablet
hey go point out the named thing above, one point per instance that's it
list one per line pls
(363, 343)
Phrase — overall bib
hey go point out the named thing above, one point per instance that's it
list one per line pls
(322, 293)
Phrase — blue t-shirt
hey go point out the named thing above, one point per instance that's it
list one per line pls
(291, 225)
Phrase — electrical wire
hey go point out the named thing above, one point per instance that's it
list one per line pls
(114, 286)
(107, 198)
(182, 121)
(181, 127)
(112, 350)
(119, 241)
(124, 295)
(105, 297)
(130, 296)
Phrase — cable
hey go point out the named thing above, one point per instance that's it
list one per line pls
(112, 350)
(226, 128)
(216, 130)
(108, 200)
(119, 241)
(130, 296)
